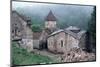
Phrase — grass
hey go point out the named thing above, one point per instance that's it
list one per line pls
(21, 57)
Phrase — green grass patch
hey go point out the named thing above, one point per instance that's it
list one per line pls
(21, 57)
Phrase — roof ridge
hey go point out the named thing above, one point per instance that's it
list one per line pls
(21, 15)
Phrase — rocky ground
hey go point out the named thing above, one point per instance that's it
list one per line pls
(55, 57)
(74, 55)
(77, 54)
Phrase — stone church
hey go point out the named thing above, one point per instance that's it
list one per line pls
(62, 40)
(59, 40)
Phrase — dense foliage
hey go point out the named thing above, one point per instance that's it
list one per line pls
(36, 28)
(92, 28)
(92, 24)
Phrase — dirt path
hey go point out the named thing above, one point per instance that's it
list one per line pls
(73, 55)
(55, 57)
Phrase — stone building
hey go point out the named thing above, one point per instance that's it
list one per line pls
(58, 40)
(61, 40)
(21, 31)
(50, 21)
(50, 26)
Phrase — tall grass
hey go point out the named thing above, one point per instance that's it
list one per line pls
(21, 57)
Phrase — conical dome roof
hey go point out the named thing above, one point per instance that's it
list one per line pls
(50, 17)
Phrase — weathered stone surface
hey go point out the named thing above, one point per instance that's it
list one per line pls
(21, 31)
(75, 55)
(63, 40)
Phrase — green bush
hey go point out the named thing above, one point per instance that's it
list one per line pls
(36, 28)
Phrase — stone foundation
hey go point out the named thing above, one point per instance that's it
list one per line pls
(27, 44)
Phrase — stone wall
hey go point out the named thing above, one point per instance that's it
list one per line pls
(27, 36)
(50, 24)
(27, 44)
(62, 42)
(82, 43)
(22, 29)
(51, 44)
(54, 43)
(71, 42)
(36, 44)
(16, 27)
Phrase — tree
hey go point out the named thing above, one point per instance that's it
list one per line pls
(92, 28)
(36, 28)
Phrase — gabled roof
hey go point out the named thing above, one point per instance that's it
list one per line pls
(65, 31)
(58, 31)
(71, 33)
(81, 33)
(73, 29)
(25, 18)
(75, 35)
(50, 17)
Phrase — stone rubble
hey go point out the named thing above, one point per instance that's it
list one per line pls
(76, 55)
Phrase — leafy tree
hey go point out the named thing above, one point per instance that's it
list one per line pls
(36, 28)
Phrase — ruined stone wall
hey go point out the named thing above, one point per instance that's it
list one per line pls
(21, 32)
(27, 44)
(16, 26)
(27, 36)
(82, 43)
(71, 42)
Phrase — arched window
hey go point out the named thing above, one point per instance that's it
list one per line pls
(61, 43)
(12, 31)
(18, 31)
